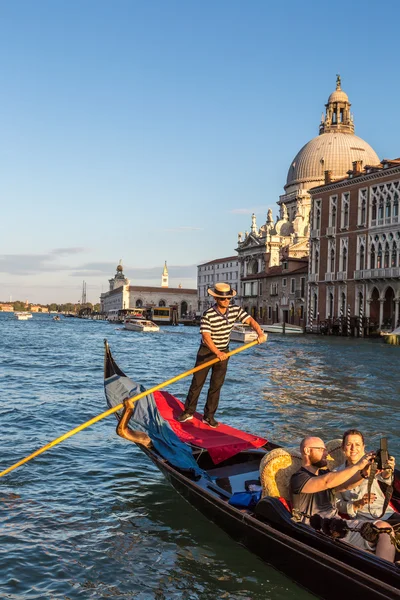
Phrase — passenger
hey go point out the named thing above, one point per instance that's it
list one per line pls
(354, 502)
(139, 437)
(313, 490)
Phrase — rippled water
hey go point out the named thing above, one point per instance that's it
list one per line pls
(93, 518)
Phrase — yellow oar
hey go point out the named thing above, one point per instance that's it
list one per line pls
(116, 408)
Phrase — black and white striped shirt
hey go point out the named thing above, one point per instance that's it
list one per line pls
(219, 325)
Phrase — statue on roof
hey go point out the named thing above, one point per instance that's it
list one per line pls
(338, 82)
(253, 224)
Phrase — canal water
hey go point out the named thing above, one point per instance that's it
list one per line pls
(93, 518)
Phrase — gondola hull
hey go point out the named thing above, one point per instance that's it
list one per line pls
(325, 567)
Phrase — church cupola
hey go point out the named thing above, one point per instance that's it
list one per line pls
(164, 276)
(337, 117)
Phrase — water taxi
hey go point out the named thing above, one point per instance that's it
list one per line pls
(140, 325)
(243, 333)
(282, 328)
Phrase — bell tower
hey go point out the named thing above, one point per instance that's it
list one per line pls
(164, 276)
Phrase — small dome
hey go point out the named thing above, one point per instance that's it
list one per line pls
(338, 96)
(332, 151)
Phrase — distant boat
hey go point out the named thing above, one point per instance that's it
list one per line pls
(243, 333)
(278, 328)
(140, 325)
(22, 316)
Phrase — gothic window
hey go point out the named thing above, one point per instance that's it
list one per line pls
(332, 261)
(379, 257)
(139, 304)
(345, 210)
(380, 208)
(372, 256)
(344, 259)
(318, 219)
(386, 257)
(362, 257)
(161, 303)
(396, 205)
(394, 255)
(373, 210)
(316, 262)
(388, 209)
(362, 207)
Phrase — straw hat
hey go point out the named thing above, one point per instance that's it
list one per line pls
(222, 290)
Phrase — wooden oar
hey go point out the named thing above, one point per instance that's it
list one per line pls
(116, 408)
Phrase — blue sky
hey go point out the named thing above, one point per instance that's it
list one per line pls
(150, 131)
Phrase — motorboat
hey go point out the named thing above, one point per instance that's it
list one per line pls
(243, 333)
(140, 325)
(22, 316)
(282, 328)
(213, 468)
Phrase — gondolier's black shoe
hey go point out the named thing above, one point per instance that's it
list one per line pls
(185, 416)
(210, 421)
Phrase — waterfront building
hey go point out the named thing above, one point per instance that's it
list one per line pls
(355, 248)
(274, 252)
(122, 295)
(6, 307)
(209, 273)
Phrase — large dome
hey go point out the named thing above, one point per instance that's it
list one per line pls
(327, 152)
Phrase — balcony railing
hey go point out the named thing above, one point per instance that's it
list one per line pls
(341, 275)
(388, 273)
(330, 231)
(315, 233)
(313, 277)
(329, 276)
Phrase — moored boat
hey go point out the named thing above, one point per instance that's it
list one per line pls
(144, 325)
(210, 468)
(282, 328)
(22, 316)
(243, 333)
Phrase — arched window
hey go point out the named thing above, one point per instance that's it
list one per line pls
(396, 205)
(346, 214)
(380, 208)
(372, 256)
(184, 308)
(316, 262)
(162, 303)
(362, 257)
(394, 255)
(379, 257)
(332, 261)
(373, 211)
(344, 259)
(363, 211)
(333, 215)
(318, 219)
(388, 211)
(386, 257)
(139, 303)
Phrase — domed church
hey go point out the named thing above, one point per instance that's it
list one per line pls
(262, 251)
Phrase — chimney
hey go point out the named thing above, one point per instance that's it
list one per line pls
(328, 177)
(357, 167)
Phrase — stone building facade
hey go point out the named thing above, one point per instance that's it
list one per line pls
(262, 251)
(122, 295)
(208, 274)
(355, 248)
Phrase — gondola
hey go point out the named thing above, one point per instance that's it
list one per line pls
(326, 567)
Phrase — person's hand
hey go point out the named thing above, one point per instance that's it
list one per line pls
(391, 464)
(366, 460)
(357, 504)
(262, 338)
(222, 356)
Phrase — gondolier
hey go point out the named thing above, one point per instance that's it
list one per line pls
(215, 328)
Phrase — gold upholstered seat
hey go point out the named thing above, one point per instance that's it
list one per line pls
(276, 469)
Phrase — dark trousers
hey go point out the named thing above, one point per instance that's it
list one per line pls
(218, 372)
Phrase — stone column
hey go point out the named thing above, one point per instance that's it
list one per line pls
(244, 268)
(381, 303)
